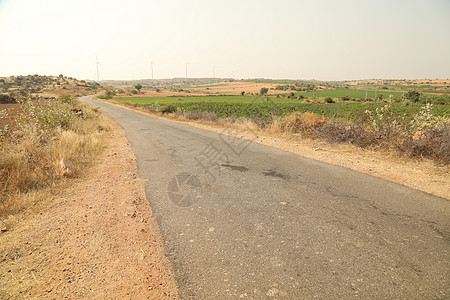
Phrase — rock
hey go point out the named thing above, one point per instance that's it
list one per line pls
(4, 229)
(66, 167)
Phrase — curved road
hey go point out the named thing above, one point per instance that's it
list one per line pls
(242, 220)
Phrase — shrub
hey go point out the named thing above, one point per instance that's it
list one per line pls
(346, 132)
(413, 96)
(46, 116)
(263, 91)
(110, 93)
(432, 142)
(138, 87)
(67, 99)
(6, 99)
(169, 108)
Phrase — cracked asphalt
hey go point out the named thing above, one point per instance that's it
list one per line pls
(243, 220)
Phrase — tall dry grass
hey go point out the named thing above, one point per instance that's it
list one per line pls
(31, 151)
(425, 135)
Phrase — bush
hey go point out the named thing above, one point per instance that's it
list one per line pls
(413, 96)
(169, 108)
(263, 91)
(346, 132)
(67, 99)
(433, 142)
(6, 99)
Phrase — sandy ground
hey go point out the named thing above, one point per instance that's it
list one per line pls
(219, 88)
(236, 87)
(96, 240)
(423, 175)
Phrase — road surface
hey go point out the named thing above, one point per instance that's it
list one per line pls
(243, 220)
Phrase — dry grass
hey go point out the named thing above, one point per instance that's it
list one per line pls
(29, 160)
(305, 123)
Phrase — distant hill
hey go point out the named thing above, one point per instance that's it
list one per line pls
(22, 87)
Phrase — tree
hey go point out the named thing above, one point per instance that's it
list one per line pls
(263, 91)
(413, 96)
(138, 87)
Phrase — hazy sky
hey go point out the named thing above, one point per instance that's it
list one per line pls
(322, 39)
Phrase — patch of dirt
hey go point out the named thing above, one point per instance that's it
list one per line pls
(236, 87)
(97, 239)
(12, 110)
(220, 88)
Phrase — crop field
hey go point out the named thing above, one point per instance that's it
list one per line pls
(268, 110)
(265, 107)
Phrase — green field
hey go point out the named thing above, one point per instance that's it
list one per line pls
(334, 110)
(266, 108)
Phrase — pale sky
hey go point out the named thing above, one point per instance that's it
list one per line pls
(296, 39)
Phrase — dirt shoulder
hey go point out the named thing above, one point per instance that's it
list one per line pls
(97, 239)
(423, 174)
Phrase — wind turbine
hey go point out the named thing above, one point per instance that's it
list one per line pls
(187, 70)
(151, 63)
(97, 63)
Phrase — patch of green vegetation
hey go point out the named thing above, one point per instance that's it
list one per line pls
(335, 110)
(265, 107)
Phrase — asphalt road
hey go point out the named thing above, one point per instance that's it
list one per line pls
(244, 220)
